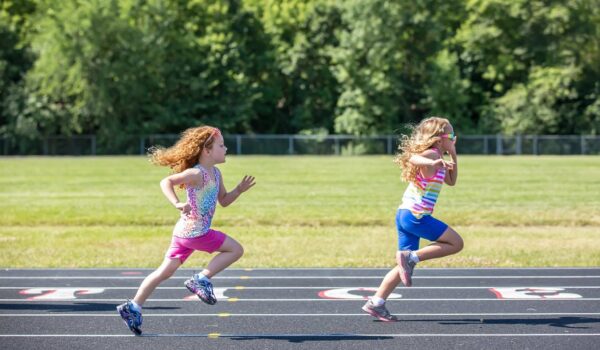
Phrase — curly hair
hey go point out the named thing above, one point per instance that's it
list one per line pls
(186, 152)
(422, 138)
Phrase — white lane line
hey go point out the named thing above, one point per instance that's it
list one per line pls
(311, 287)
(292, 277)
(321, 336)
(236, 299)
(227, 314)
(128, 269)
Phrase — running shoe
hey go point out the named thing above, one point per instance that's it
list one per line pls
(379, 312)
(202, 288)
(131, 317)
(406, 267)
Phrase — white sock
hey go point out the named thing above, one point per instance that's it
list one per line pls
(413, 257)
(201, 276)
(377, 301)
(135, 306)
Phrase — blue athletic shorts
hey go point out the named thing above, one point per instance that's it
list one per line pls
(411, 229)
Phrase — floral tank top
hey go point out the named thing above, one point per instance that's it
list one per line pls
(203, 202)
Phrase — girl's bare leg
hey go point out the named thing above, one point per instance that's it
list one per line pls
(390, 281)
(230, 252)
(164, 271)
(449, 243)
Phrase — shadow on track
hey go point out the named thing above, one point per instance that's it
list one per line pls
(561, 322)
(72, 307)
(292, 338)
(301, 338)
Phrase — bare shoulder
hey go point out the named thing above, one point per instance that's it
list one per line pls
(186, 177)
(192, 171)
(192, 176)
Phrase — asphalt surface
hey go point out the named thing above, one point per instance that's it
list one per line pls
(304, 308)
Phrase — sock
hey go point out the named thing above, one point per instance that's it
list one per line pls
(201, 276)
(413, 257)
(135, 306)
(377, 301)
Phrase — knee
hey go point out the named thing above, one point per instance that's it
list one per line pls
(238, 251)
(459, 244)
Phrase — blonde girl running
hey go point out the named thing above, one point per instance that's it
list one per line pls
(423, 165)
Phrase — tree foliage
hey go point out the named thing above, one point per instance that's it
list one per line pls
(533, 64)
(126, 67)
(387, 61)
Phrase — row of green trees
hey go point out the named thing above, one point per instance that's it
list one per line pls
(118, 67)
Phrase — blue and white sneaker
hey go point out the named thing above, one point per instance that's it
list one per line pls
(202, 288)
(131, 317)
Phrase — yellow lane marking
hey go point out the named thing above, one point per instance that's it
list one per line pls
(214, 335)
(224, 314)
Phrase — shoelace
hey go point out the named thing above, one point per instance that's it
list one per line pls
(207, 286)
(135, 315)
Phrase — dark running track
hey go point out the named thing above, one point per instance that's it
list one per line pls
(305, 308)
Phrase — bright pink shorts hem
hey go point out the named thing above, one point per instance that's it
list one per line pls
(182, 248)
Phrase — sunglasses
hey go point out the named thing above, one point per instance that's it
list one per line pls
(450, 136)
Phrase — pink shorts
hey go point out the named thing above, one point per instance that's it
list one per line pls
(182, 248)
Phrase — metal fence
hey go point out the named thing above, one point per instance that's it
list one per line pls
(307, 145)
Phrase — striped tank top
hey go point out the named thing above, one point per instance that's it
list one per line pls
(203, 200)
(420, 195)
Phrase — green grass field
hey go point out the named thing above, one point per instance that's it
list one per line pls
(303, 212)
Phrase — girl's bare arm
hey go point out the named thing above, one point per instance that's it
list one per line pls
(226, 198)
(167, 185)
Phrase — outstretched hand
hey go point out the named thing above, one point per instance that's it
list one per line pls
(246, 183)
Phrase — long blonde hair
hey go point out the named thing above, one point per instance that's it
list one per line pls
(422, 138)
(186, 152)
